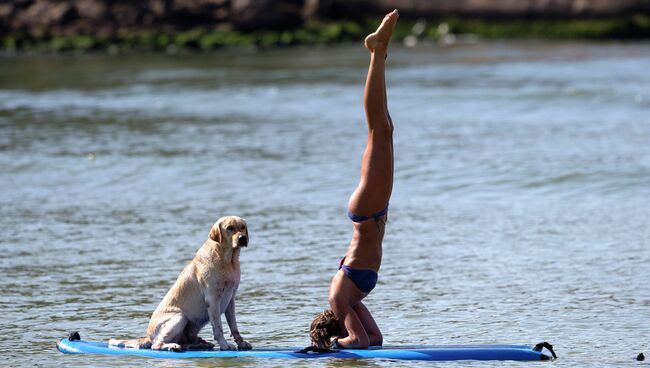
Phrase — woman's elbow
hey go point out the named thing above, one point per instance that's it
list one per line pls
(376, 340)
(359, 343)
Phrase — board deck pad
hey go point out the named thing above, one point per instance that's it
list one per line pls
(440, 353)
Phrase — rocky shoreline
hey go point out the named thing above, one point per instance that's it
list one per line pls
(207, 24)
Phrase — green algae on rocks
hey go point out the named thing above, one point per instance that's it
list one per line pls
(332, 32)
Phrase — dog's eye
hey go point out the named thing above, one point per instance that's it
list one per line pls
(229, 228)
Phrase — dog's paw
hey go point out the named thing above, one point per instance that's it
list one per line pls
(172, 347)
(227, 346)
(208, 345)
(244, 345)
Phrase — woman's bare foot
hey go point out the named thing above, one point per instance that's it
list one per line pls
(380, 38)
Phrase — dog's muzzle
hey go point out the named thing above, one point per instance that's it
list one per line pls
(242, 240)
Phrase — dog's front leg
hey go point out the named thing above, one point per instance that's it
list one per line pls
(214, 312)
(232, 324)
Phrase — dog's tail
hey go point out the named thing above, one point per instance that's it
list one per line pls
(141, 343)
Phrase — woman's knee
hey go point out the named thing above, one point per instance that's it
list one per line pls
(382, 134)
(337, 303)
(380, 121)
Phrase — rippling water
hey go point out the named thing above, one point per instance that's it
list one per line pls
(520, 210)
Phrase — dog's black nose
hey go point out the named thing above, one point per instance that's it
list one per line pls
(242, 240)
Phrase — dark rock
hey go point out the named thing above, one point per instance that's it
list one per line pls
(62, 13)
(108, 18)
(354, 9)
(314, 8)
(91, 9)
(126, 14)
(193, 12)
(160, 8)
(6, 10)
(44, 16)
(266, 14)
(199, 6)
(542, 8)
(6, 14)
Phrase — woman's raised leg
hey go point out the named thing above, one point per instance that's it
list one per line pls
(369, 199)
(376, 183)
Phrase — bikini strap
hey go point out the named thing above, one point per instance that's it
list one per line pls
(360, 218)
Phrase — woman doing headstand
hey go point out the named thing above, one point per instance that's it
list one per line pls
(349, 324)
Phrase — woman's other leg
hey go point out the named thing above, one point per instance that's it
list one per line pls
(343, 296)
(375, 337)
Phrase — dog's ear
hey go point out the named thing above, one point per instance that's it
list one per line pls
(215, 232)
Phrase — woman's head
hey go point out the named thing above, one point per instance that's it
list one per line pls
(324, 326)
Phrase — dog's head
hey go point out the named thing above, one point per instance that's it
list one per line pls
(230, 230)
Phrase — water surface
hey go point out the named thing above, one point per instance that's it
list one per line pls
(519, 214)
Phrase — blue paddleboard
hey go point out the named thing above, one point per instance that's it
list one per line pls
(449, 352)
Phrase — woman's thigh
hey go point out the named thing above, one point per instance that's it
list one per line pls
(376, 183)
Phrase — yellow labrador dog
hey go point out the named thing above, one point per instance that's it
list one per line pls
(204, 290)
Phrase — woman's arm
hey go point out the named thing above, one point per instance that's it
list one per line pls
(357, 337)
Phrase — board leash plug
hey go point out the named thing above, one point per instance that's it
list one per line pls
(539, 347)
(74, 336)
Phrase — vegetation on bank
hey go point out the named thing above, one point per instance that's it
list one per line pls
(331, 32)
(630, 27)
